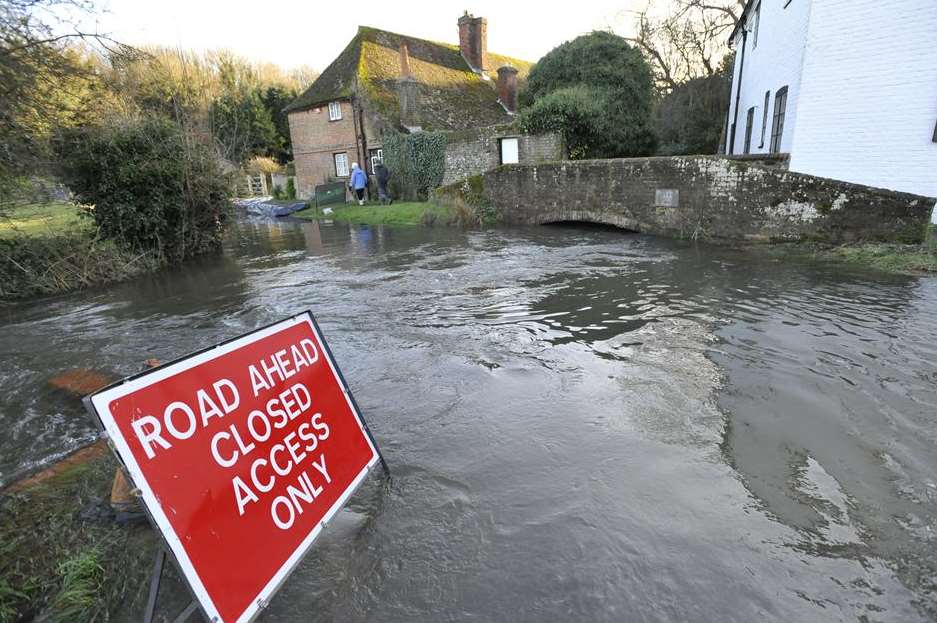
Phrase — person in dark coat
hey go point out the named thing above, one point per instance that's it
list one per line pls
(383, 176)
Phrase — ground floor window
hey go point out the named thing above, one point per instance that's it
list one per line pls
(375, 157)
(341, 165)
(764, 118)
(510, 154)
(777, 127)
(748, 129)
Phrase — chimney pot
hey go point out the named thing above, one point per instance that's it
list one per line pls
(507, 87)
(473, 41)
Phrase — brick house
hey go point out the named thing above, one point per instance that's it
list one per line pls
(383, 80)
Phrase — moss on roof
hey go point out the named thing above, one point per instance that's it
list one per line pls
(452, 96)
(336, 82)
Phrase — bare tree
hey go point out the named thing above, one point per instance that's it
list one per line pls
(685, 39)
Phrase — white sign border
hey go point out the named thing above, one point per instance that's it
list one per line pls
(98, 403)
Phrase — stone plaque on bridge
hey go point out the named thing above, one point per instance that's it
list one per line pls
(667, 197)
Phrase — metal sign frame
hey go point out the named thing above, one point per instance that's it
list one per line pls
(155, 514)
(333, 192)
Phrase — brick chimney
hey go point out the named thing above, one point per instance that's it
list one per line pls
(408, 92)
(507, 87)
(404, 60)
(473, 41)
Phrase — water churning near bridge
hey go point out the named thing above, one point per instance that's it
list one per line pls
(581, 423)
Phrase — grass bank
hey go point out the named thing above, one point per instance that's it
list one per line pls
(39, 219)
(52, 248)
(905, 259)
(398, 213)
(63, 558)
(892, 258)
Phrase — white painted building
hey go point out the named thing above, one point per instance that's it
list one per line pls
(847, 87)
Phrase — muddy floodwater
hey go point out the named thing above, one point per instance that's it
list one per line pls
(583, 424)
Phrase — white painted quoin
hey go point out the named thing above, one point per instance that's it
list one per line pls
(847, 87)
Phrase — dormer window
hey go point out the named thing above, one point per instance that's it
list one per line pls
(335, 111)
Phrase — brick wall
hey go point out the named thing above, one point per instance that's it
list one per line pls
(701, 197)
(316, 140)
(474, 152)
(869, 94)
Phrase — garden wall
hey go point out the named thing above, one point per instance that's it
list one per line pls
(476, 151)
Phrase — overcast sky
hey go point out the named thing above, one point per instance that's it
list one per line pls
(313, 32)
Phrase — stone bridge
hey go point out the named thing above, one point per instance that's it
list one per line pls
(699, 197)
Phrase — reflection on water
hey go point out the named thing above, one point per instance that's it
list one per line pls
(582, 424)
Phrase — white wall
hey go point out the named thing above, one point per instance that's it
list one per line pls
(774, 62)
(868, 102)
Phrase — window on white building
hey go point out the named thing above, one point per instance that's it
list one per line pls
(777, 126)
(341, 165)
(764, 119)
(756, 17)
(509, 151)
(749, 122)
(335, 111)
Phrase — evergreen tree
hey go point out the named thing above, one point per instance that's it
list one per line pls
(597, 91)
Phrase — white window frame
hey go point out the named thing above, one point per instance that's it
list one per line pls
(335, 111)
(517, 149)
(377, 158)
(343, 159)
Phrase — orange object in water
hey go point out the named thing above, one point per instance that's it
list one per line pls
(80, 381)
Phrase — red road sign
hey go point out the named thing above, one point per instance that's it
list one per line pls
(242, 453)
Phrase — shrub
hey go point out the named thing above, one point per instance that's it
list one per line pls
(597, 91)
(290, 188)
(259, 165)
(416, 162)
(277, 192)
(689, 119)
(581, 114)
(36, 265)
(153, 188)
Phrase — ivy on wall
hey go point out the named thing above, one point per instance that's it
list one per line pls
(416, 162)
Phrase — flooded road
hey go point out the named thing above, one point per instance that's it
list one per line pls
(583, 424)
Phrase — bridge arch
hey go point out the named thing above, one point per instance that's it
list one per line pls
(597, 217)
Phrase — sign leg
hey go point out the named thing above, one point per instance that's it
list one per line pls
(150, 610)
(188, 612)
(154, 586)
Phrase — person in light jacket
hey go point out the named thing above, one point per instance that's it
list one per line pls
(358, 182)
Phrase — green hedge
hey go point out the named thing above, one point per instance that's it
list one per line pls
(154, 188)
(416, 162)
